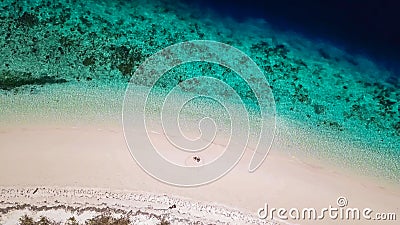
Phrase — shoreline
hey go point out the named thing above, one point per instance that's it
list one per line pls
(92, 105)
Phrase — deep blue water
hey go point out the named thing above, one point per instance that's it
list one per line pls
(368, 27)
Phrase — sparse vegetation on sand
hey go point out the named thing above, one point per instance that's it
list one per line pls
(98, 220)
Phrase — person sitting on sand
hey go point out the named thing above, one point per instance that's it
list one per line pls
(196, 158)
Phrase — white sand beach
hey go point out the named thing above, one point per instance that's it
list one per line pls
(95, 157)
(64, 69)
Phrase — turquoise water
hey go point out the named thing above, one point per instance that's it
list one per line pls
(341, 95)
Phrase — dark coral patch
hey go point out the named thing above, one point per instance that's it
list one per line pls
(89, 61)
(28, 19)
(13, 79)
